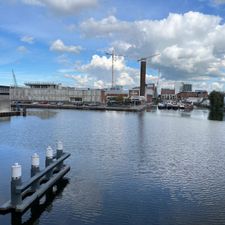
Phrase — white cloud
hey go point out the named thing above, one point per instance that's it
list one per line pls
(125, 79)
(80, 80)
(63, 6)
(217, 86)
(99, 84)
(98, 73)
(100, 68)
(27, 39)
(189, 43)
(59, 46)
(22, 49)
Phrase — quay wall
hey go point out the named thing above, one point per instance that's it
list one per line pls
(5, 103)
(4, 99)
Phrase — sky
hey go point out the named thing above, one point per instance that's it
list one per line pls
(67, 41)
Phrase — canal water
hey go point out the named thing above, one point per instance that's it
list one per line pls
(155, 168)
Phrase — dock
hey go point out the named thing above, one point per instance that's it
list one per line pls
(137, 108)
(9, 114)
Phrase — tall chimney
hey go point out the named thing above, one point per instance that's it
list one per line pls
(142, 77)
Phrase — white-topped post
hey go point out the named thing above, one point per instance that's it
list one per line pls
(49, 156)
(59, 149)
(16, 180)
(59, 154)
(49, 160)
(35, 168)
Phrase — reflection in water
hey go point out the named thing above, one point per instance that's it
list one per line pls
(185, 114)
(216, 115)
(126, 168)
(151, 108)
(36, 210)
(5, 119)
(42, 114)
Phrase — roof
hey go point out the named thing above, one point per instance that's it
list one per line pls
(167, 91)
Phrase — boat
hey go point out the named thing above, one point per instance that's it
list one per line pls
(169, 105)
(161, 105)
(188, 107)
(181, 106)
(175, 106)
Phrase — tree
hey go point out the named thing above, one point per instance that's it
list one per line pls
(119, 99)
(216, 101)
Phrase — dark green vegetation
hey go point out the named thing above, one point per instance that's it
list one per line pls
(216, 105)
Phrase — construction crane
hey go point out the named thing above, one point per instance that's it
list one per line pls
(159, 75)
(113, 55)
(143, 72)
(14, 79)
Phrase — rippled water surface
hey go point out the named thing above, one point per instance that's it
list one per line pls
(161, 168)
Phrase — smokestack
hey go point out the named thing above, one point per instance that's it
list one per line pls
(142, 77)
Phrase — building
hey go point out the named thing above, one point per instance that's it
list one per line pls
(186, 87)
(5, 99)
(134, 92)
(202, 93)
(167, 94)
(50, 92)
(193, 94)
(150, 92)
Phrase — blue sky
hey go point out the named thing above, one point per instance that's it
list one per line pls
(65, 41)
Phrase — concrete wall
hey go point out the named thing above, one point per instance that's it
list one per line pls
(51, 94)
(4, 103)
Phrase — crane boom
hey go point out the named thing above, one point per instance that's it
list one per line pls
(14, 79)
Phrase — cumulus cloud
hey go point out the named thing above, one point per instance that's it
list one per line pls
(27, 39)
(100, 68)
(59, 46)
(191, 44)
(63, 6)
(80, 80)
(99, 84)
(98, 73)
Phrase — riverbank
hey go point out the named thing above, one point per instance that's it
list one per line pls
(138, 108)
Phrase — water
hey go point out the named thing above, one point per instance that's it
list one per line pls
(157, 168)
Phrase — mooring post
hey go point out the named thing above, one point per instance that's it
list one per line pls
(59, 153)
(16, 197)
(35, 168)
(49, 160)
(24, 111)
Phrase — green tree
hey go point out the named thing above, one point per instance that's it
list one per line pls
(119, 98)
(216, 101)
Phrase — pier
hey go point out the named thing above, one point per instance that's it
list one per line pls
(9, 114)
(24, 195)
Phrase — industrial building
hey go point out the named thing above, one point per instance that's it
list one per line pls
(186, 87)
(168, 94)
(150, 92)
(4, 99)
(51, 92)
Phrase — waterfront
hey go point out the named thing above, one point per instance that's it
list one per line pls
(163, 167)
